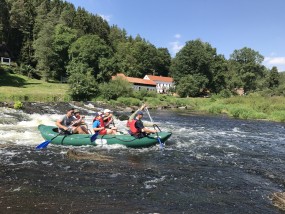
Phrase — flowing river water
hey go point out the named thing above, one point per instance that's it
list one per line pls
(211, 164)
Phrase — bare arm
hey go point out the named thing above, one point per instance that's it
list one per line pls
(59, 125)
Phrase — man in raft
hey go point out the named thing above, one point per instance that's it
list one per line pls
(68, 124)
(137, 129)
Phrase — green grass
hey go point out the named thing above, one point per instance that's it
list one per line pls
(19, 88)
(15, 87)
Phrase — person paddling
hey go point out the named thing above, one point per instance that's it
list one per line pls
(137, 128)
(108, 119)
(98, 126)
(80, 121)
(66, 124)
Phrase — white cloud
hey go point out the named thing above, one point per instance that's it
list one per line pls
(279, 62)
(275, 60)
(175, 47)
(177, 36)
(106, 17)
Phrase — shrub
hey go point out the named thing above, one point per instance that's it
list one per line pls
(18, 105)
(115, 89)
(216, 108)
(278, 116)
(129, 101)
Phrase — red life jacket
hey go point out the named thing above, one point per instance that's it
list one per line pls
(107, 121)
(133, 128)
(101, 122)
(103, 131)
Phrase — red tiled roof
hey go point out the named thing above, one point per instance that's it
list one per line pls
(135, 80)
(159, 78)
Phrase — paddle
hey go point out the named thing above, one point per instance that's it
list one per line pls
(161, 145)
(46, 143)
(93, 137)
(158, 138)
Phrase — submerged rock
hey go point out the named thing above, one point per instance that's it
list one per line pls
(278, 200)
(76, 155)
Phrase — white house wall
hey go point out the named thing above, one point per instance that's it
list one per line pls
(140, 87)
(160, 86)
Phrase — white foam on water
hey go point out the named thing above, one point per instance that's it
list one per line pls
(152, 183)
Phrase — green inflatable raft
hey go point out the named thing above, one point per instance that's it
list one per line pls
(50, 132)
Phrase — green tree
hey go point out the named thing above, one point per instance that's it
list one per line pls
(22, 16)
(197, 59)
(90, 49)
(41, 18)
(67, 15)
(220, 74)
(81, 21)
(62, 40)
(44, 53)
(274, 77)
(4, 22)
(100, 27)
(137, 58)
(246, 65)
(191, 85)
(117, 36)
(162, 62)
(82, 84)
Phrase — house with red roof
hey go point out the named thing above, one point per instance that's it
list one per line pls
(138, 83)
(163, 84)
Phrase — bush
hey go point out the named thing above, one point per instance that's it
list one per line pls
(278, 116)
(225, 93)
(129, 101)
(115, 89)
(216, 109)
(18, 105)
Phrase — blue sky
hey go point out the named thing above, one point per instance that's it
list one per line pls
(226, 24)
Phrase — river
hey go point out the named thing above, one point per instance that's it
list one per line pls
(211, 164)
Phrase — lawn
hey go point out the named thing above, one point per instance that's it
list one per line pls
(15, 87)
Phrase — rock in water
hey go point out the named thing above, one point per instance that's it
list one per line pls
(278, 200)
(76, 155)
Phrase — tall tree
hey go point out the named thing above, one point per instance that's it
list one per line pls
(274, 77)
(44, 53)
(117, 36)
(81, 21)
(100, 27)
(90, 49)
(62, 39)
(162, 62)
(67, 15)
(196, 58)
(136, 58)
(247, 66)
(22, 16)
(4, 22)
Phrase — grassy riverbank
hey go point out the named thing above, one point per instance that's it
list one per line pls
(14, 87)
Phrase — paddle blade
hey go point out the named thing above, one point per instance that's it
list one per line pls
(43, 145)
(160, 143)
(93, 137)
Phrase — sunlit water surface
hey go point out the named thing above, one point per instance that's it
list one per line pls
(211, 164)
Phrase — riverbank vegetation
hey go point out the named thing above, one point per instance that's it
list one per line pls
(52, 41)
(18, 88)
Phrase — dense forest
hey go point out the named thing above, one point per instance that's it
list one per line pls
(51, 39)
